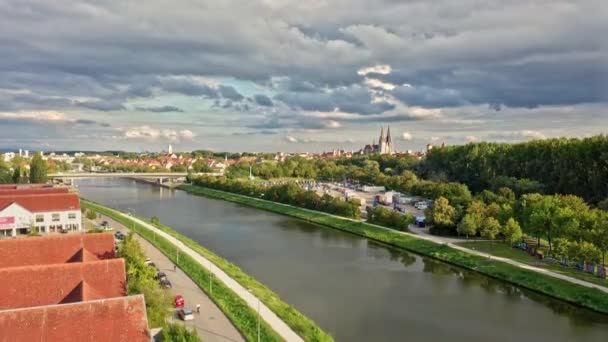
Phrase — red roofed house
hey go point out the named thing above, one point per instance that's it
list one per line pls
(67, 288)
(56, 249)
(49, 211)
(121, 319)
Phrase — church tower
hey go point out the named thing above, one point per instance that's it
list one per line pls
(389, 142)
(381, 141)
(170, 149)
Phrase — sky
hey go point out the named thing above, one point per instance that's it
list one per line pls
(286, 75)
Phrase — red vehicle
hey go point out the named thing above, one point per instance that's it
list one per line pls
(179, 301)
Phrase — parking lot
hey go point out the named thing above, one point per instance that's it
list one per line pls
(341, 190)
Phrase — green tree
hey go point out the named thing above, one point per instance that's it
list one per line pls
(18, 175)
(600, 235)
(38, 169)
(442, 213)
(179, 333)
(468, 226)
(511, 231)
(490, 228)
(91, 215)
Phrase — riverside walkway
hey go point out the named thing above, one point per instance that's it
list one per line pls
(265, 313)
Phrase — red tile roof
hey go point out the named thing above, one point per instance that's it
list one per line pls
(29, 286)
(117, 319)
(37, 203)
(33, 191)
(56, 249)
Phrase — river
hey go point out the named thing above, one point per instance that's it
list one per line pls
(355, 289)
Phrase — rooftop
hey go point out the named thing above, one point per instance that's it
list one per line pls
(42, 202)
(115, 319)
(56, 249)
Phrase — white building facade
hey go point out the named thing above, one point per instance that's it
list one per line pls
(17, 220)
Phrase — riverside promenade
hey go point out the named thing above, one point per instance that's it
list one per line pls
(265, 313)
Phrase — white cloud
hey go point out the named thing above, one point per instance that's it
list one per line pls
(43, 116)
(376, 83)
(471, 138)
(382, 69)
(290, 139)
(407, 136)
(150, 133)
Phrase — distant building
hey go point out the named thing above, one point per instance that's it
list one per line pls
(170, 151)
(384, 146)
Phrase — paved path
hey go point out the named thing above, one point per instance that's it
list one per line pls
(211, 324)
(270, 317)
(449, 242)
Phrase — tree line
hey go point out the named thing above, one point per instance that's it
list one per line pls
(552, 166)
(570, 226)
(289, 193)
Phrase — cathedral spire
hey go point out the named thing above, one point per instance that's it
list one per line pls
(381, 136)
(388, 135)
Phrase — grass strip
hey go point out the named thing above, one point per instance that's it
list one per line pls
(586, 297)
(233, 306)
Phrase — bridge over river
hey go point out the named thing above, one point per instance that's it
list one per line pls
(159, 177)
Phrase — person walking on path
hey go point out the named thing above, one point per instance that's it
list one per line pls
(198, 309)
(174, 268)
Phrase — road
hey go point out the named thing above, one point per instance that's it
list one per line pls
(267, 315)
(211, 324)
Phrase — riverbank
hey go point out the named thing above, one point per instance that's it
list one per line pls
(240, 311)
(590, 298)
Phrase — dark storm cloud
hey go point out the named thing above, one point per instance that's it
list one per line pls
(189, 87)
(228, 92)
(104, 106)
(161, 109)
(263, 100)
(353, 99)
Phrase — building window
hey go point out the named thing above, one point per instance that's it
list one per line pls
(55, 217)
(39, 218)
(72, 216)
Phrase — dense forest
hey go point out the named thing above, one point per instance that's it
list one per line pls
(552, 166)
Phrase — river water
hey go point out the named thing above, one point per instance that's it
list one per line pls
(355, 289)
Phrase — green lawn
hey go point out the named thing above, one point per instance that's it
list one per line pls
(501, 249)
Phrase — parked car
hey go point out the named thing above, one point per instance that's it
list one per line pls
(119, 235)
(179, 301)
(185, 314)
(165, 283)
(160, 276)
